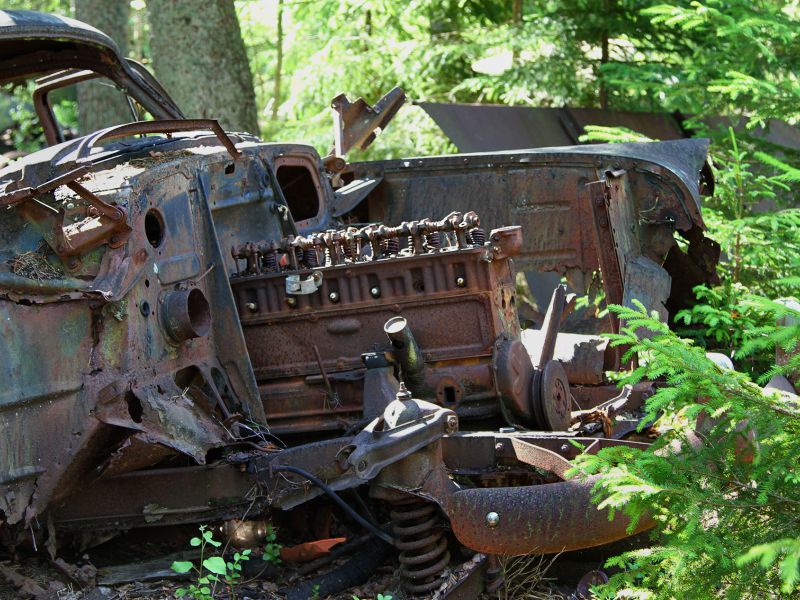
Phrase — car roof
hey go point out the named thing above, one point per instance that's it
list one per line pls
(33, 42)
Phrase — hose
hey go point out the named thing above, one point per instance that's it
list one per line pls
(354, 572)
(371, 527)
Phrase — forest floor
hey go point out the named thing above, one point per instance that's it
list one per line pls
(528, 579)
(136, 565)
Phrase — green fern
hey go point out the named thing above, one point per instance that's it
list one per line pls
(784, 338)
(719, 481)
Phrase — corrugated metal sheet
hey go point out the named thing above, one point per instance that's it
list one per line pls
(488, 127)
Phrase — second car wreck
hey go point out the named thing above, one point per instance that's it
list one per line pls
(202, 327)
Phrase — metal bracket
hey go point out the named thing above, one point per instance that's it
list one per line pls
(380, 444)
(297, 286)
(606, 247)
(356, 123)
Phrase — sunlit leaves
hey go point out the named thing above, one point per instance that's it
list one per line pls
(720, 481)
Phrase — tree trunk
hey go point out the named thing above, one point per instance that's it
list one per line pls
(98, 104)
(276, 95)
(516, 18)
(607, 7)
(199, 57)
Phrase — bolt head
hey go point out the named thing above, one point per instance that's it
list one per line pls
(452, 423)
(375, 292)
(565, 448)
(403, 394)
(492, 519)
(334, 296)
(461, 282)
(291, 301)
(499, 446)
(252, 306)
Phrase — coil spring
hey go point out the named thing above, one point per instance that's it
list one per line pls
(270, 261)
(477, 236)
(311, 258)
(392, 246)
(434, 239)
(422, 545)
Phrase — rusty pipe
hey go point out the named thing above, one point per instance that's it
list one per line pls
(186, 314)
(538, 519)
(407, 351)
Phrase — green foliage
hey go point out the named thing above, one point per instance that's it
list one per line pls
(783, 340)
(272, 549)
(761, 248)
(53, 6)
(736, 57)
(788, 172)
(721, 481)
(613, 135)
(210, 570)
(788, 550)
(711, 57)
(723, 320)
(760, 252)
(25, 133)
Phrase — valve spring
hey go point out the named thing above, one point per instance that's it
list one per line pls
(477, 236)
(392, 246)
(311, 258)
(422, 544)
(434, 239)
(299, 254)
(348, 250)
(328, 259)
(270, 261)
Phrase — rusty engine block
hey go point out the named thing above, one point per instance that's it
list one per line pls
(428, 302)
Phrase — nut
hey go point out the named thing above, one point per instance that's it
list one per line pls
(452, 423)
(461, 282)
(376, 292)
(291, 301)
(252, 306)
(334, 296)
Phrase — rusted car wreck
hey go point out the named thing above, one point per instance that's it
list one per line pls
(199, 327)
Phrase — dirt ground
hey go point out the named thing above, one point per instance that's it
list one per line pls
(45, 581)
(136, 565)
